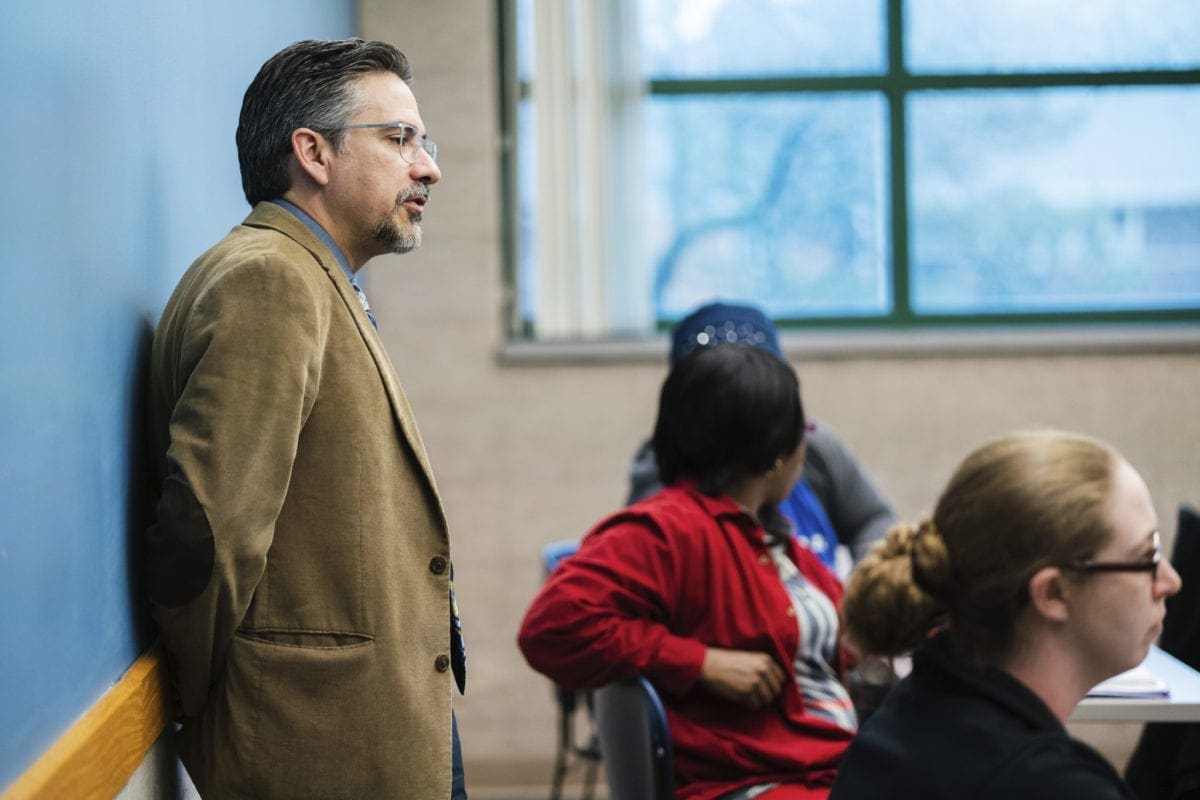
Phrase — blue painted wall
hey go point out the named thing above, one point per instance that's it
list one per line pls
(118, 168)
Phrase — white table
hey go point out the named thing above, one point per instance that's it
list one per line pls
(1182, 706)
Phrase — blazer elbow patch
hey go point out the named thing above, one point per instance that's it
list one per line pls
(180, 552)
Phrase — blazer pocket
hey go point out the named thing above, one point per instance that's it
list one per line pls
(310, 639)
(304, 709)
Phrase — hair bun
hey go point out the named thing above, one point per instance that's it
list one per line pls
(930, 560)
(889, 609)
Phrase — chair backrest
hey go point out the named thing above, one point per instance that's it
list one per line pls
(634, 741)
(555, 552)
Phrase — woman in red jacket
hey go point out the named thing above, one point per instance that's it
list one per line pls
(702, 589)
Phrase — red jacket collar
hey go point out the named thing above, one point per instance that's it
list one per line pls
(718, 507)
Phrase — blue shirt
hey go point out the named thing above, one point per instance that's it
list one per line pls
(320, 233)
(811, 523)
(328, 241)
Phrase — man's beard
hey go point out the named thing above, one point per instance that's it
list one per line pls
(388, 233)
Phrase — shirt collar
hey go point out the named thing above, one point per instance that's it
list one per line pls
(1002, 688)
(319, 232)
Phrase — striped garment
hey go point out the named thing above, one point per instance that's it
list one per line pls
(823, 691)
(815, 659)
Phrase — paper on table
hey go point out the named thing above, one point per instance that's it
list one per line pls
(1137, 682)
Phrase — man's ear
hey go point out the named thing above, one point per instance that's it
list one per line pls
(1048, 594)
(312, 152)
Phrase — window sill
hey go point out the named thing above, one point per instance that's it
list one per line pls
(917, 343)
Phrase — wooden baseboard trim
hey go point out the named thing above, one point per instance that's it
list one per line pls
(94, 759)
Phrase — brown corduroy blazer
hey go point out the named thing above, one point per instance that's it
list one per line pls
(298, 568)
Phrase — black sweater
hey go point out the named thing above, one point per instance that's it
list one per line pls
(949, 731)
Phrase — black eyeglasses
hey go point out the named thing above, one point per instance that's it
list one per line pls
(411, 143)
(1148, 565)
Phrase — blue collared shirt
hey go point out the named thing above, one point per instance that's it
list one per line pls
(316, 228)
(328, 241)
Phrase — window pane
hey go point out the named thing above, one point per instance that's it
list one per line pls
(724, 38)
(524, 39)
(776, 200)
(1048, 35)
(1055, 200)
(527, 276)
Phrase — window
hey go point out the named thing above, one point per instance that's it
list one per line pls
(880, 163)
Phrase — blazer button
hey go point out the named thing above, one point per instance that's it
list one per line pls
(442, 663)
(437, 565)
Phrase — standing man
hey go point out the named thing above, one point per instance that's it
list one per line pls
(300, 564)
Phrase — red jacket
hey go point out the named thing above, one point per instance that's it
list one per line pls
(649, 589)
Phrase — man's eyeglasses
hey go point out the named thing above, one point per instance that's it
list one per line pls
(411, 143)
(1148, 565)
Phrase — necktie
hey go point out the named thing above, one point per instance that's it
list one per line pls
(458, 650)
(362, 300)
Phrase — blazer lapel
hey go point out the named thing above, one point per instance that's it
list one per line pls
(269, 215)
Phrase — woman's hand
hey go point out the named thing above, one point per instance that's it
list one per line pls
(744, 677)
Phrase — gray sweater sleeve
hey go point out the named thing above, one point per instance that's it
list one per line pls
(859, 512)
(643, 474)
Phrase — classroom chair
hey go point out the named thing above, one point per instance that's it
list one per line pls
(635, 741)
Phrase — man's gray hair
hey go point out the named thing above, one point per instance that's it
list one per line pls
(310, 84)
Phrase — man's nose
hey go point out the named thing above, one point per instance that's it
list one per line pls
(425, 170)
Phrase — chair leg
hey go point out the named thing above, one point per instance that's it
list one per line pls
(589, 779)
(560, 772)
(569, 754)
(560, 758)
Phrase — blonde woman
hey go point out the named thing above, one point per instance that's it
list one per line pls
(1042, 574)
